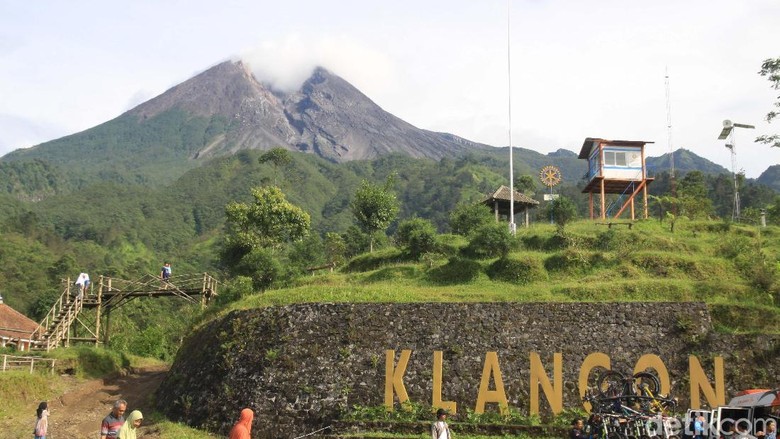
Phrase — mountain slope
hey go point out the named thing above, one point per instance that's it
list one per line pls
(224, 110)
(684, 161)
(770, 177)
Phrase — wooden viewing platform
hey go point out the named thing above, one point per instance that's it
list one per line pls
(68, 322)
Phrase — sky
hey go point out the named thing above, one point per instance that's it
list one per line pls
(568, 69)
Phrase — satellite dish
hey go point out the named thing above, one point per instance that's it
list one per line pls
(729, 125)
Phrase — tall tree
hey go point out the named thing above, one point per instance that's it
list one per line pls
(269, 221)
(279, 158)
(771, 69)
(525, 184)
(692, 196)
(374, 207)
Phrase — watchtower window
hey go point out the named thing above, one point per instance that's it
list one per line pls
(615, 158)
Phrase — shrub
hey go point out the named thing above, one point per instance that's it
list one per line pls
(519, 270)
(563, 210)
(490, 241)
(449, 245)
(467, 218)
(416, 236)
(372, 261)
(568, 260)
(457, 270)
(235, 289)
(261, 266)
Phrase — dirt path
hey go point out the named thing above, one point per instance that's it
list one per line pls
(78, 412)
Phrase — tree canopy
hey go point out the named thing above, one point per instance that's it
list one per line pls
(374, 207)
(771, 69)
(270, 220)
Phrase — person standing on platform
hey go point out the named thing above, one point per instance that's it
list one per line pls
(165, 272)
(82, 282)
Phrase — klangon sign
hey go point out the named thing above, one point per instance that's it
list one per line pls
(553, 391)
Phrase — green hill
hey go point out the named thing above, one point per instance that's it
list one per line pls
(731, 268)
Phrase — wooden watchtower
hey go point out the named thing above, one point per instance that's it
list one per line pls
(615, 167)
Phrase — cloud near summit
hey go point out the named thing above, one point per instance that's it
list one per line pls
(286, 63)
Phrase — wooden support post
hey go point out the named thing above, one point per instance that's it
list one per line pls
(97, 311)
(603, 201)
(527, 223)
(495, 209)
(644, 196)
(203, 291)
(632, 209)
(107, 328)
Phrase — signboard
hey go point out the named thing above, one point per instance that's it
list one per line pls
(550, 197)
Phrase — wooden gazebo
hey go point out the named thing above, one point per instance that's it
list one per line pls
(500, 201)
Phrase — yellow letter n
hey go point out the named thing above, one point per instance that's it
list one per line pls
(699, 382)
(553, 392)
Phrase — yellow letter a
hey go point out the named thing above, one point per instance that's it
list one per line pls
(491, 368)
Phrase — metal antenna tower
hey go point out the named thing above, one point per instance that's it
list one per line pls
(512, 226)
(728, 132)
(672, 181)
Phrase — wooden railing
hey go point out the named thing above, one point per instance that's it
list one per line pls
(11, 362)
(54, 326)
(112, 293)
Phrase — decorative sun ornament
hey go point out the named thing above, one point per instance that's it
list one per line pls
(550, 175)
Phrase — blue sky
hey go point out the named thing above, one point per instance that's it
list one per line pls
(578, 69)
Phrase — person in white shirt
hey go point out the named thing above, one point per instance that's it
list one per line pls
(82, 283)
(440, 429)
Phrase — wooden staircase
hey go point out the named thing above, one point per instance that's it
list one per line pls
(54, 328)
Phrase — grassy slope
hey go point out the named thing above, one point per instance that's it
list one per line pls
(699, 262)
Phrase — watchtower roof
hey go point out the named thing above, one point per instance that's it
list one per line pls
(590, 142)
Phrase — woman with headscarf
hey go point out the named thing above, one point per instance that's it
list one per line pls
(243, 428)
(42, 420)
(130, 427)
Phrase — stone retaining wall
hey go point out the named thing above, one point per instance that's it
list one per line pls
(301, 366)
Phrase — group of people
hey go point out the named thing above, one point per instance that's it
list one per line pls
(114, 426)
(82, 281)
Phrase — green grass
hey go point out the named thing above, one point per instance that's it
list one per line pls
(454, 428)
(174, 430)
(702, 261)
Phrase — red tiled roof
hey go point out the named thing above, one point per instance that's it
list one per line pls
(15, 324)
